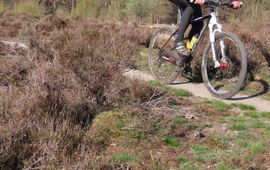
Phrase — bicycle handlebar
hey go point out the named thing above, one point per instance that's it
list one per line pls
(217, 4)
(213, 4)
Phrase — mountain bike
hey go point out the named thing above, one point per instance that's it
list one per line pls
(224, 62)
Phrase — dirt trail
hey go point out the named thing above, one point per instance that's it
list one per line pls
(200, 90)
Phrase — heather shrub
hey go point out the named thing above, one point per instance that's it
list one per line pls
(15, 25)
(256, 43)
(50, 96)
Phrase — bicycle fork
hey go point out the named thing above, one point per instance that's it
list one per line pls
(214, 28)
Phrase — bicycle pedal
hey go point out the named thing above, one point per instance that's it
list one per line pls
(187, 71)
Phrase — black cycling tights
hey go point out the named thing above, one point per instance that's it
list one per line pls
(189, 10)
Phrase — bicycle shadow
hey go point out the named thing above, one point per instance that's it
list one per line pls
(189, 79)
(264, 84)
(263, 91)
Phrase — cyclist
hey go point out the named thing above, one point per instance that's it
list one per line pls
(191, 8)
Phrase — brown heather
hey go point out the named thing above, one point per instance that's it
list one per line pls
(49, 97)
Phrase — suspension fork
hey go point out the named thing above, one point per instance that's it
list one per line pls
(214, 28)
(222, 46)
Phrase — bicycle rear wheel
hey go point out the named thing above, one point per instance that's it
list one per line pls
(162, 62)
(227, 79)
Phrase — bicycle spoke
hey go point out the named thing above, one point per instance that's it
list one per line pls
(227, 79)
(162, 59)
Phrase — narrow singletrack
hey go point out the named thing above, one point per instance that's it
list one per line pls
(200, 90)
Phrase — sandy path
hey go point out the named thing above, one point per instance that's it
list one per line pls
(200, 90)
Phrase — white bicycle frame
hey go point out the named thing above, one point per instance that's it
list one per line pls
(214, 28)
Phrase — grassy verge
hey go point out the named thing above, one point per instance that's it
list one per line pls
(170, 90)
(235, 140)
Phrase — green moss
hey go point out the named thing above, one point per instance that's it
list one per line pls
(106, 126)
(173, 142)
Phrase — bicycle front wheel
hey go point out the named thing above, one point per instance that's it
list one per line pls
(225, 79)
(161, 57)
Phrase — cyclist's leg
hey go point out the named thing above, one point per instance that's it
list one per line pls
(188, 11)
(196, 26)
